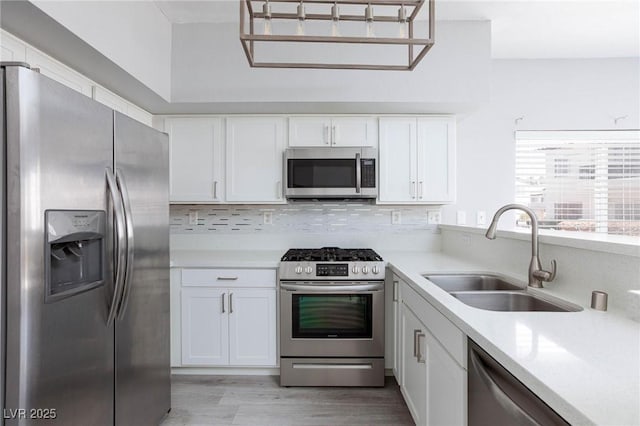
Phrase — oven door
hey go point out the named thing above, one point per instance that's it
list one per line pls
(332, 319)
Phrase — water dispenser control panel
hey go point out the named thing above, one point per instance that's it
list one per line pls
(74, 252)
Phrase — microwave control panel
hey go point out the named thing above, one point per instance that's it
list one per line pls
(368, 167)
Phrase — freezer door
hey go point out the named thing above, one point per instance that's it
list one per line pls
(142, 325)
(59, 353)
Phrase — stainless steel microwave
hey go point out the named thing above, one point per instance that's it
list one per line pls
(331, 172)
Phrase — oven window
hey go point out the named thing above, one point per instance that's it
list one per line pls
(321, 173)
(334, 316)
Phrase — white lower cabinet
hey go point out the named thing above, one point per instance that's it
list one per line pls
(433, 380)
(228, 326)
(205, 327)
(414, 376)
(392, 325)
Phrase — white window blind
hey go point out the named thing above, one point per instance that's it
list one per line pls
(580, 180)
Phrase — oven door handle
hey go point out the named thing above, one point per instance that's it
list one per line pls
(332, 288)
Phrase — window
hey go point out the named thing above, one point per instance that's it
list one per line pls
(568, 211)
(580, 180)
(561, 167)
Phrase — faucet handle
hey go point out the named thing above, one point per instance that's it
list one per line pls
(546, 275)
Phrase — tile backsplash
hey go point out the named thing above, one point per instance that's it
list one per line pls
(300, 217)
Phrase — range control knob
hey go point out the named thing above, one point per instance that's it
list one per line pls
(298, 269)
(375, 270)
(355, 269)
(365, 269)
(308, 269)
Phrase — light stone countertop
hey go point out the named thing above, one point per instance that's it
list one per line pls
(585, 365)
(269, 259)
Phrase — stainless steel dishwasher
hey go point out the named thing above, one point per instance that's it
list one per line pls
(496, 397)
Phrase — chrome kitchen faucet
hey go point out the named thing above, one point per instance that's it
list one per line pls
(536, 274)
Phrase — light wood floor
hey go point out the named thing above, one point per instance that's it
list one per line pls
(260, 401)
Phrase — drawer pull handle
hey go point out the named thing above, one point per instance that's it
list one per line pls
(421, 360)
(227, 278)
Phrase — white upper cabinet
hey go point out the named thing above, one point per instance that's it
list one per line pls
(117, 103)
(436, 160)
(11, 49)
(417, 160)
(254, 153)
(332, 131)
(196, 159)
(56, 71)
(109, 99)
(397, 174)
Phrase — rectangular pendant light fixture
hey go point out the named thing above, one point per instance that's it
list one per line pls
(337, 34)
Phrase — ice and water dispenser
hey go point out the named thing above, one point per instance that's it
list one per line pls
(74, 252)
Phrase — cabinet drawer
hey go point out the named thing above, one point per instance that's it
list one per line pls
(449, 336)
(229, 277)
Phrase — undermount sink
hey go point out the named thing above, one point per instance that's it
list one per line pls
(496, 293)
(509, 301)
(472, 282)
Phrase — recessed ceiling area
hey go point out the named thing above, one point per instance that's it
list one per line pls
(519, 28)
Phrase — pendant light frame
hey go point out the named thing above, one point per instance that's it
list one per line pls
(251, 12)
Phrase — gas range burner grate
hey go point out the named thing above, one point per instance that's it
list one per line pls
(331, 254)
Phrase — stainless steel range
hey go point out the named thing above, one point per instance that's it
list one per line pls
(331, 317)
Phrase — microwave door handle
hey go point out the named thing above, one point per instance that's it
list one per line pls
(358, 173)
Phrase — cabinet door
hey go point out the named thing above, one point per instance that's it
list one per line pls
(436, 160)
(11, 49)
(109, 99)
(414, 376)
(196, 160)
(309, 131)
(446, 386)
(397, 152)
(56, 71)
(354, 131)
(252, 327)
(205, 327)
(255, 147)
(392, 325)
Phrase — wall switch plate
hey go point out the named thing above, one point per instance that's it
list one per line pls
(461, 217)
(481, 217)
(396, 217)
(433, 218)
(267, 218)
(193, 217)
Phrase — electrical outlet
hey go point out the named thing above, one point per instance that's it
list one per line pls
(396, 217)
(462, 217)
(193, 217)
(267, 218)
(433, 218)
(481, 218)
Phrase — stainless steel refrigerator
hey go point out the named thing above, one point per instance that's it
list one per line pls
(84, 259)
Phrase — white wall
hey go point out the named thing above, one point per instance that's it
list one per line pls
(210, 66)
(133, 34)
(557, 94)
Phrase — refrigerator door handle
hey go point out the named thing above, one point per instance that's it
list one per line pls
(121, 242)
(126, 291)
